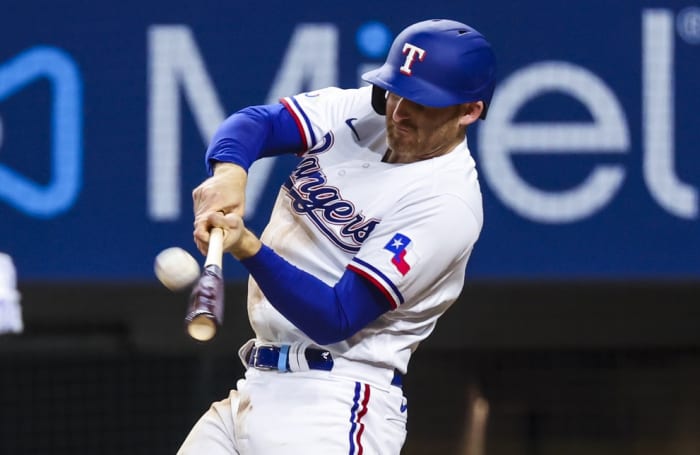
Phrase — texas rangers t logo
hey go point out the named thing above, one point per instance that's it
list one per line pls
(411, 52)
(397, 245)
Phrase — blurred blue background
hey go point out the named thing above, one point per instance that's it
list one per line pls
(106, 110)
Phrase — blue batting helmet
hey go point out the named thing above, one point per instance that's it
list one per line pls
(436, 63)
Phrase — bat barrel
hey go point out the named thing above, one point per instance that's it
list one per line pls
(205, 312)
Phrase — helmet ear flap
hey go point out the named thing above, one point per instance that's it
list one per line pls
(379, 100)
(483, 113)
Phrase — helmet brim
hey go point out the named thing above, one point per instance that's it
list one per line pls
(418, 90)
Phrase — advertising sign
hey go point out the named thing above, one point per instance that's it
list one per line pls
(588, 159)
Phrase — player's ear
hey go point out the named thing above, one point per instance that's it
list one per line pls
(471, 112)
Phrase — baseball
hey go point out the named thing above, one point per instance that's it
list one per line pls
(176, 268)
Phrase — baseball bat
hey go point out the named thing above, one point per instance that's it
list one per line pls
(205, 312)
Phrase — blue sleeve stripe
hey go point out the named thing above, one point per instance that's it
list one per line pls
(302, 120)
(295, 115)
(376, 277)
(307, 122)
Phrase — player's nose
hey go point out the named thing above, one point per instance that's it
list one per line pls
(401, 110)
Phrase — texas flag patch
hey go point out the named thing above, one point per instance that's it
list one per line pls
(398, 246)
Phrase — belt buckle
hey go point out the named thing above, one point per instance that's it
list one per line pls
(256, 358)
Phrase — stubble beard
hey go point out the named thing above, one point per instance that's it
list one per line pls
(402, 144)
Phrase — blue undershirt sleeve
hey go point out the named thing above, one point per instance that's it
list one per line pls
(252, 133)
(327, 314)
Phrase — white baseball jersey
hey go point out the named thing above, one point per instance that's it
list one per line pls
(407, 228)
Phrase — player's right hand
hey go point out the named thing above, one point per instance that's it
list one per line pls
(223, 192)
(238, 240)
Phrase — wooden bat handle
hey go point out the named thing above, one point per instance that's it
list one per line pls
(216, 244)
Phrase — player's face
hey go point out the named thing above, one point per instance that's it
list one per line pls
(416, 132)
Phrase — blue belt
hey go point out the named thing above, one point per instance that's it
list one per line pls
(277, 358)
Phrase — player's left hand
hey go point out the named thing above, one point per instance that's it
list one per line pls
(223, 192)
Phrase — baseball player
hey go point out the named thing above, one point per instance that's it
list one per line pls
(366, 246)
